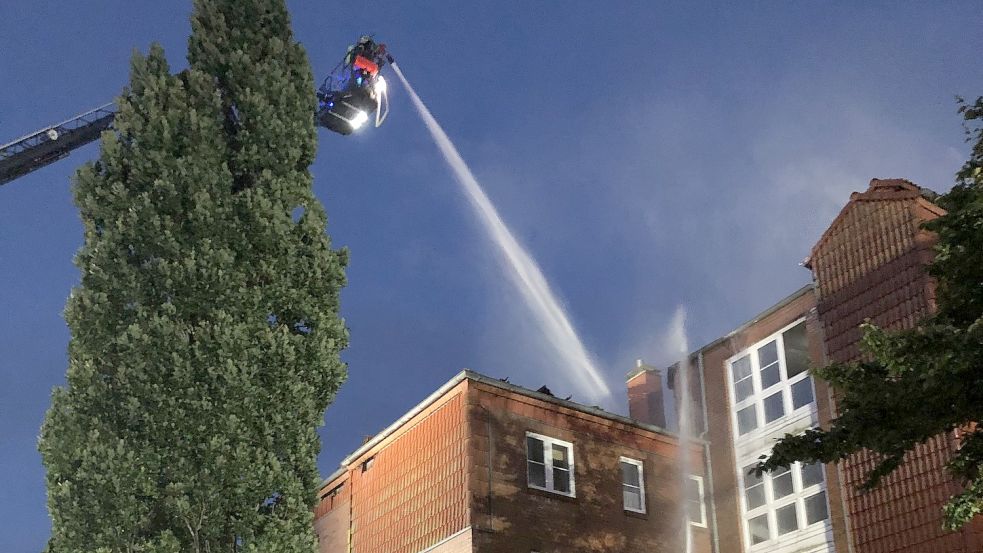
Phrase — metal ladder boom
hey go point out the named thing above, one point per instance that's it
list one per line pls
(33, 151)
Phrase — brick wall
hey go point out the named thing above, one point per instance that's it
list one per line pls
(645, 399)
(508, 516)
(332, 515)
(720, 432)
(461, 542)
(870, 264)
(413, 492)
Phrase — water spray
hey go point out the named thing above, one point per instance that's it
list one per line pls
(680, 347)
(518, 263)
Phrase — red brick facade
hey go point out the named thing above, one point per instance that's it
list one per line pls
(714, 357)
(870, 264)
(645, 396)
(406, 492)
(452, 477)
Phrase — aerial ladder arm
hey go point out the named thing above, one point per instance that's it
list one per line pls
(31, 152)
(352, 92)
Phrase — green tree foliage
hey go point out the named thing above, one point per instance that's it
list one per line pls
(205, 333)
(925, 381)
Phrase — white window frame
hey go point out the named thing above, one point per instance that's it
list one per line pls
(703, 502)
(548, 462)
(641, 483)
(771, 505)
(758, 395)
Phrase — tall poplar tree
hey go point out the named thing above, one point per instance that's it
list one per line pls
(205, 333)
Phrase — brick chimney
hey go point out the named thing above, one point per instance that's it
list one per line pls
(645, 400)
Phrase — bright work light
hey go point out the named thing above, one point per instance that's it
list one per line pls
(360, 118)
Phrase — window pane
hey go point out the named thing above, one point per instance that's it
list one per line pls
(816, 508)
(743, 389)
(802, 393)
(767, 354)
(755, 497)
(774, 407)
(633, 498)
(786, 519)
(812, 474)
(629, 474)
(561, 456)
(796, 350)
(781, 485)
(741, 368)
(692, 490)
(749, 477)
(758, 527)
(754, 488)
(534, 447)
(747, 419)
(695, 511)
(537, 474)
(770, 376)
(561, 480)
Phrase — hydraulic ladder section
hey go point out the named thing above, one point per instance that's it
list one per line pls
(50, 144)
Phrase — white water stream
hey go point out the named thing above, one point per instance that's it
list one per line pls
(518, 264)
(684, 410)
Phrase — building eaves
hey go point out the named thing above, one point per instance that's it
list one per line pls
(596, 411)
(478, 377)
(757, 318)
(880, 190)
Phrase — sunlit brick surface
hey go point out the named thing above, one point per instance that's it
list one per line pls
(452, 478)
(415, 494)
(412, 496)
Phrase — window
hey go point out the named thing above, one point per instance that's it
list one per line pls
(770, 380)
(632, 485)
(754, 488)
(787, 519)
(796, 350)
(758, 527)
(768, 361)
(696, 508)
(550, 464)
(743, 387)
(774, 407)
(783, 501)
(812, 474)
(781, 483)
(802, 393)
(747, 419)
(816, 508)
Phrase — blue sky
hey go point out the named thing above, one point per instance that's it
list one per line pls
(648, 156)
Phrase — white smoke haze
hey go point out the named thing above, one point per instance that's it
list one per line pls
(683, 199)
(717, 203)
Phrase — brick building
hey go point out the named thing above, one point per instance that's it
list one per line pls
(753, 387)
(483, 465)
